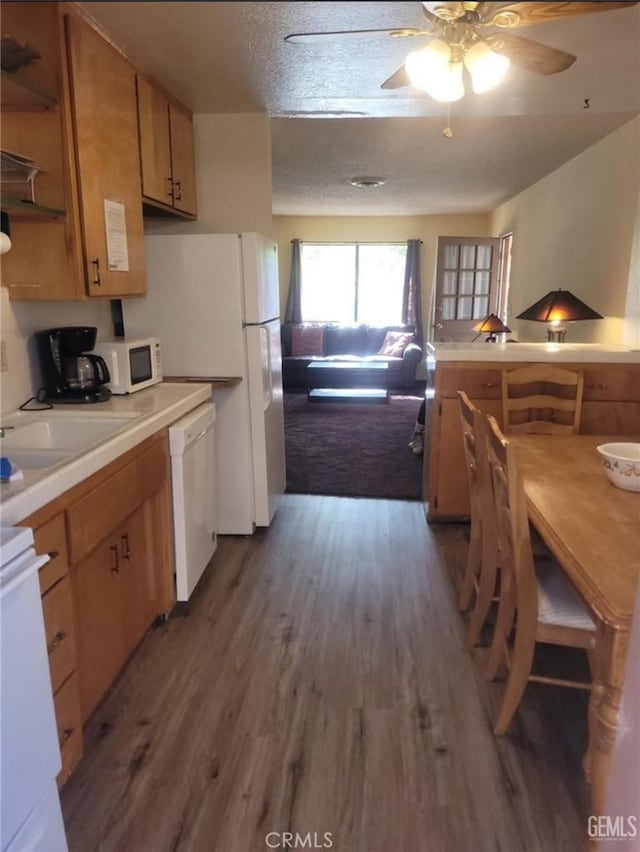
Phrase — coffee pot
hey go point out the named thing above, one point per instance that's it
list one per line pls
(85, 372)
(70, 373)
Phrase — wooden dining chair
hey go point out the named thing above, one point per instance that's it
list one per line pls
(537, 603)
(541, 399)
(478, 585)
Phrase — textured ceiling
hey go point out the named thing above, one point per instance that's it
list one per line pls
(332, 121)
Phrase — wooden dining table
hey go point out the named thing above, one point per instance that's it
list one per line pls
(593, 530)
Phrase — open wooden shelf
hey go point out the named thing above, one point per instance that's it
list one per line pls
(20, 209)
(20, 95)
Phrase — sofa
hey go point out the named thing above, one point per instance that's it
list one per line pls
(307, 342)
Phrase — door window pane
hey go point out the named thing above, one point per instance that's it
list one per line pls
(449, 283)
(465, 308)
(451, 254)
(483, 280)
(480, 308)
(466, 283)
(484, 257)
(468, 259)
(448, 309)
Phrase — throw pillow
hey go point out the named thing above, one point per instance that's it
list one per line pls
(395, 342)
(307, 340)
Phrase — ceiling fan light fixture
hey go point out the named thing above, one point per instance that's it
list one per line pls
(434, 70)
(486, 67)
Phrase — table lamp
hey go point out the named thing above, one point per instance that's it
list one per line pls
(557, 308)
(491, 324)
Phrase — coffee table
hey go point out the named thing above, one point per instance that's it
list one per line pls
(335, 381)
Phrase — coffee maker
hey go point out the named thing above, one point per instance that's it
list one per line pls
(69, 372)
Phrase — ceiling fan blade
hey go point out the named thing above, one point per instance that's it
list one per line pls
(341, 35)
(511, 15)
(487, 11)
(397, 80)
(530, 55)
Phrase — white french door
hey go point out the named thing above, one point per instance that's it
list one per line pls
(466, 286)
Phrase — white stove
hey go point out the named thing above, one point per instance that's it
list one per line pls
(30, 814)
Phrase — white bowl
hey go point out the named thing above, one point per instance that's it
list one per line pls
(622, 464)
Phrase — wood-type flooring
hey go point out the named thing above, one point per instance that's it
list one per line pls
(318, 684)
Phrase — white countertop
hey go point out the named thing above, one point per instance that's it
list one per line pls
(587, 353)
(155, 409)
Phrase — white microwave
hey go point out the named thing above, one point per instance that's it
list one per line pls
(133, 363)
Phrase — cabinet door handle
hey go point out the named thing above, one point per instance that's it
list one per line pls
(169, 188)
(66, 734)
(57, 639)
(126, 548)
(178, 195)
(96, 263)
(489, 384)
(53, 554)
(115, 562)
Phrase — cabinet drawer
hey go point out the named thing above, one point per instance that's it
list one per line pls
(69, 724)
(477, 384)
(612, 383)
(94, 517)
(58, 620)
(51, 538)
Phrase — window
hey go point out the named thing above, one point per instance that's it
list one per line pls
(353, 282)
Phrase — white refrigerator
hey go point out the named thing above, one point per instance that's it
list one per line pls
(213, 300)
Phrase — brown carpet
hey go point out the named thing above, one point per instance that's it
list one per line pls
(352, 450)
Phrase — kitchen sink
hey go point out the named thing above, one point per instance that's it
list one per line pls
(38, 459)
(33, 442)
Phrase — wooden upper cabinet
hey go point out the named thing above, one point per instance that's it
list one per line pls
(104, 109)
(34, 125)
(182, 160)
(166, 152)
(155, 146)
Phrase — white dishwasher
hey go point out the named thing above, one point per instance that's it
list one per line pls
(193, 485)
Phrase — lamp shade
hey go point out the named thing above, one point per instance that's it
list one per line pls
(436, 71)
(491, 325)
(486, 67)
(559, 306)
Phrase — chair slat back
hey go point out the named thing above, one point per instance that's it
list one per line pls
(467, 409)
(542, 399)
(514, 541)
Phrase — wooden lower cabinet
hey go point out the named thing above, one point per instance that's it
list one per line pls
(611, 406)
(109, 576)
(115, 602)
(69, 723)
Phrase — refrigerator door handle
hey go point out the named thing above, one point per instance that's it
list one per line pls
(268, 396)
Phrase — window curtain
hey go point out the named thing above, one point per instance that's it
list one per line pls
(293, 310)
(412, 293)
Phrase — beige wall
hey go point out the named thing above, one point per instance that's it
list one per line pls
(19, 320)
(376, 229)
(233, 175)
(574, 230)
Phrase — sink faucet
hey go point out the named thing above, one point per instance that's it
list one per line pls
(4, 429)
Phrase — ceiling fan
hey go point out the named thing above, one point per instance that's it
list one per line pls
(461, 38)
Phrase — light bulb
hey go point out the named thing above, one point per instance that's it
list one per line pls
(433, 70)
(421, 64)
(486, 67)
